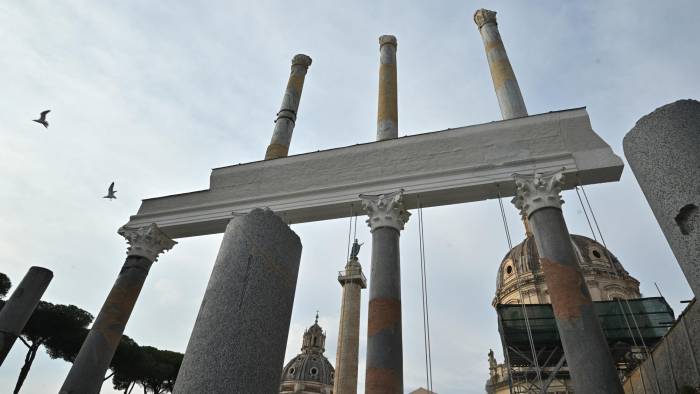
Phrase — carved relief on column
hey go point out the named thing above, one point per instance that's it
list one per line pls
(148, 241)
(540, 190)
(385, 210)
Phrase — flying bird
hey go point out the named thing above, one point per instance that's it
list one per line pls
(42, 118)
(111, 192)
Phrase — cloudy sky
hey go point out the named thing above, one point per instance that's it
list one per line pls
(153, 95)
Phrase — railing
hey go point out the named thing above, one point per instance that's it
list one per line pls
(352, 274)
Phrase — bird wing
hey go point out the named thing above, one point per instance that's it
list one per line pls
(43, 114)
(111, 189)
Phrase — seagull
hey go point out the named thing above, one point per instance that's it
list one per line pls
(111, 192)
(42, 118)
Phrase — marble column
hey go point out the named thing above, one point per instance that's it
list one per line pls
(387, 216)
(90, 366)
(663, 150)
(353, 281)
(387, 109)
(587, 353)
(287, 115)
(507, 90)
(238, 341)
(19, 307)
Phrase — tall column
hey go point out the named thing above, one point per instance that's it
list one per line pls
(662, 150)
(387, 216)
(88, 370)
(287, 115)
(240, 335)
(507, 90)
(586, 349)
(387, 111)
(353, 281)
(19, 307)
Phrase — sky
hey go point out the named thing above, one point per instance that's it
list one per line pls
(153, 95)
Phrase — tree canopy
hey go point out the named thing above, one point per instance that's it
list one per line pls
(61, 329)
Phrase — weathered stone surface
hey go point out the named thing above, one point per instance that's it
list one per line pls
(287, 115)
(240, 335)
(387, 108)
(675, 358)
(347, 351)
(663, 150)
(510, 100)
(19, 307)
(90, 365)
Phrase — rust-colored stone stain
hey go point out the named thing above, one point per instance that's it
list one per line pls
(383, 381)
(566, 289)
(501, 72)
(276, 151)
(383, 313)
(387, 93)
(117, 309)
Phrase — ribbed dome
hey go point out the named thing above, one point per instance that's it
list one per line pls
(594, 259)
(310, 366)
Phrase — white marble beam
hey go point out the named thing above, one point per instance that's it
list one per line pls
(445, 167)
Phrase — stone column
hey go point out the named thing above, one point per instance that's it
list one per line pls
(663, 150)
(586, 349)
(387, 216)
(89, 368)
(507, 90)
(240, 335)
(287, 115)
(353, 281)
(387, 111)
(19, 307)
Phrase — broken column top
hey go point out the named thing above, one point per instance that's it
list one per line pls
(301, 60)
(483, 16)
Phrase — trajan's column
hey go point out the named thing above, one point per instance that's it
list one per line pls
(353, 281)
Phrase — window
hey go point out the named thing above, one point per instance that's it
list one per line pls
(314, 371)
(509, 270)
(596, 254)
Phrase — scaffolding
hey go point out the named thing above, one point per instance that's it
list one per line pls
(651, 317)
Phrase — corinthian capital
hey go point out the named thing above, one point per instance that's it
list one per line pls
(533, 192)
(148, 241)
(385, 210)
(483, 16)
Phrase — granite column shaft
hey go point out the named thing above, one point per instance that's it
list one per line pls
(19, 307)
(506, 86)
(384, 373)
(663, 150)
(287, 115)
(89, 368)
(387, 109)
(587, 353)
(239, 339)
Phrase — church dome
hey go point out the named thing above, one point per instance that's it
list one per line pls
(605, 276)
(310, 371)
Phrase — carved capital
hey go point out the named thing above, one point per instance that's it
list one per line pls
(387, 39)
(533, 192)
(148, 241)
(483, 16)
(385, 210)
(301, 60)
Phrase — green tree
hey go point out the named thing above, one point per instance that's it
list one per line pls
(153, 369)
(59, 328)
(5, 285)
